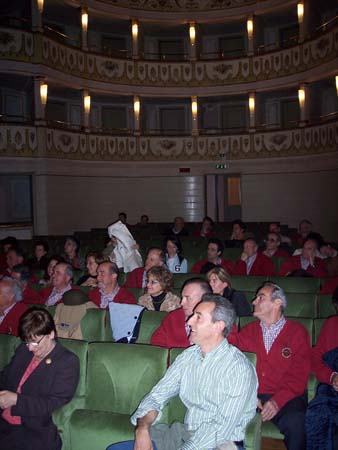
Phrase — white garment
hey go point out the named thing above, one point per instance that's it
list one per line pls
(126, 256)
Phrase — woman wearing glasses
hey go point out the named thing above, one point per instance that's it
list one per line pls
(159, 286)
(41, 377)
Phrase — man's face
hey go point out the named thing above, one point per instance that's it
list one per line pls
(13, 259)
(17, 276)
(305, 229)
(272, 241)
(178, 223)
(70, 247)
(203, 330)
(237, 230)
(123, 218)
(250, 248)
(40, 251)
(274, 228)
(191, 295)
(106, 280)
(309, 249)
(60, 278)
(213, 252)
(263, 304)
(153, 259)
(6, 296)
(327, 251)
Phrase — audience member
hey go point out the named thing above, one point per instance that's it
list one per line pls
(330, 256)
(330, 286)
(93, 259)
(283, 364)
(159, 296)
(123, 218)
(304, 228)
(174, 259)
(274, 227)
(174, 331)
(22, 275)
(108, 251)
(144, 221)
(71, 256)
(14, 256)
(215, 381)
(61, 282)
(6, 244)
(272, 249)
(214, 258)
(40, 258)
(206, 229)
(220, 283)
(11, 307)
(238, 231)
(108, 289)
(252, 262)
(306, 261)
(177, 228)
(138, 277)
(52, 262)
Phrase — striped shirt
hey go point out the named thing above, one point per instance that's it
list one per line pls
(219, 391)
(270, 334)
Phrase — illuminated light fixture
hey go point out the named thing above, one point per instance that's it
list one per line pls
(137, 106)
(192, 33)
(43, 93)
(301, 97)
(300, 12)
(86, 103)
(194, 109)
(134, 30)
(40, 5)
(251, 104)
(84, 21)
(337, 84)
(249, 27)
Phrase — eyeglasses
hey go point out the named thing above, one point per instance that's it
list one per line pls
(34, 344)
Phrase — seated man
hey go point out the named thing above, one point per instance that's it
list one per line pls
(330, 256)
(6, 244)
(108, 289)
(306, 261)
(14, 256)
(214, 258)
(274, 227)
(174, 331)
(138, 277)
(304, 229)
(283, 364)
(178, 228)
(272, 247)
(214, 380)
(61, 282)
(11, 307)
(252, 262)
(22, 275)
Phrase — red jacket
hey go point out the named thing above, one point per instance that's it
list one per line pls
(135, 278)
(285, 370)
(328, 340)
(294, 263)
(45, 293)
(279, 253)
(10, 323)
(172, 332)
(30, 295)
(263, 266)
(330, 286)
(123, 296)
(225, 263)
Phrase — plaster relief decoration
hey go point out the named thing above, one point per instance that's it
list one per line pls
(16, 43)
(181, 5)
(62, 142)
(18, 140)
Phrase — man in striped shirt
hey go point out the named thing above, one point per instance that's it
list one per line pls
(214, 380)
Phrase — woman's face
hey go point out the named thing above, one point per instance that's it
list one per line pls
(40, 251)
(171, 249)
(216, 284)
(153, 286)
(51, 266)
(70, 247)
(92, 266)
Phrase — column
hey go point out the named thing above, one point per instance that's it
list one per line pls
(37, 9)
(135, 39)
(194, 116)
(84, 29)
(137, 111)
(250, 35)
(85, 110)
(303, 98)
(252, 112)
(192, 41)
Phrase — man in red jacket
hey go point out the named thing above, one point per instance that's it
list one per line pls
(306, 261)
(252, 262)
(214, 258)
(138, 277)
(61, 283)
(108, 289)
(283, 364)
(11, 308)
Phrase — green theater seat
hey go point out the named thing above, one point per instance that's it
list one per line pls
(298, 284)
(119, 376)
(95, 325)
(301, 305)
(325, 306)
(180, 278)
(150, 321)
(8, 344)
(246, 283)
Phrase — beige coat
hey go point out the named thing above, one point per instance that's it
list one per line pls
(169, 303)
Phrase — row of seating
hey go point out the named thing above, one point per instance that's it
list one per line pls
(113, 380)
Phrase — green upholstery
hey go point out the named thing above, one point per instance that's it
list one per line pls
(150, 321)
(8, 344)
(325, 306)
(244, 320)
(301, 305)
(269, 430)
(297, 284)
(317, 325)
(232, 253)
(95, 325)
(180, 278)
(77, 274)
(245, 283)
(119, 375)
(137, 292)
(62, 415)
(277, 262)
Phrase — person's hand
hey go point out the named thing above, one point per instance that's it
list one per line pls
(142, 439)
(136, 247)
(312, 257)
(269, 410)
(92, 282)
(8, 399)
(244, 256)
(335, 382)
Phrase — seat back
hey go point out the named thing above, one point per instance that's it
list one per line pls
(298, 284)
(246, 283)
(150, 321)
(176, 409)
(277, 262)
(8, 344)
(120, 375)
(95, 325)
(180, 278)
(301, 305)
(80, 348)
(325, 306)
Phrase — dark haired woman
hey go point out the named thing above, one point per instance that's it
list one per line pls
(173, 254)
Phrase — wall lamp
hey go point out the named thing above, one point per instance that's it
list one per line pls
(43, 93)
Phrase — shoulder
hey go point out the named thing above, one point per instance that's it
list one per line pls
(65, 356)
(296, 329)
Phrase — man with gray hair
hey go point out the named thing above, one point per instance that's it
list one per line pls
(61, 282)
(11, 307)
(214, 380)
(283, 364)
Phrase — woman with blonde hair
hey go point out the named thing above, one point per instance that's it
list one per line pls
(220, 282)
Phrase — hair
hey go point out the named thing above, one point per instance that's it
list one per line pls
(163, 275)
(316, 237)
(274, 223)
(122, 213)
(220, 246)
(75, 241)
(113, 269)
(278, 236)
(145, 216)
(240, 223)
(14, 287)
(10, 240)
(300, 273)
(305, 221)
(36, 321)
(57, 258)
(277, 292)
(220, 273)
(223, 311)
(99, 258)
(251, 239)
(18, 251)
(161, 253)
(177, 242)
(43, 244)
(209, 219)
(201, 282)
(23, 270)
(68, 270)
